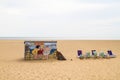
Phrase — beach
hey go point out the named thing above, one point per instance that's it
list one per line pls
(14, 67)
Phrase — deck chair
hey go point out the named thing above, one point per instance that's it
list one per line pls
(80, 54)
(102, 55)
(111, 55)
(87, 55)
(94, 54)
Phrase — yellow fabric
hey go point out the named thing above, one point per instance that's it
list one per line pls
(35, 51)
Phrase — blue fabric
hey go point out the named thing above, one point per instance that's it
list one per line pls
(110, 52)
(79, 52)
(31, 50)
(32, 47)
(93, 52)
(52, 51)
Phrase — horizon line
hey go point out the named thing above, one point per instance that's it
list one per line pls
(54, 38)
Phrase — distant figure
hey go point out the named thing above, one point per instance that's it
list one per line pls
(60, 56)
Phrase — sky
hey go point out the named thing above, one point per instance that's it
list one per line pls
(78, 19)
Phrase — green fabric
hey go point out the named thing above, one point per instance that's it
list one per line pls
(81, 57)
(95, 54)
(88, 55)
(102, 54)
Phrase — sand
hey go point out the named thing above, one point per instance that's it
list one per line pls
(14, 67)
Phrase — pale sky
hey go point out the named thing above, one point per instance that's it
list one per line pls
(79, 19)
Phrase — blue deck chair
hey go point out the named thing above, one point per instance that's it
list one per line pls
(111, 55)
(80, 54)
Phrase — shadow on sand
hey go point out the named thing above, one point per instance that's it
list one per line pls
(36, 61)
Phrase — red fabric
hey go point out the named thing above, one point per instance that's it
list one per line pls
(40, 51)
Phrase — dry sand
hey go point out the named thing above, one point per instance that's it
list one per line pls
(13, 66)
